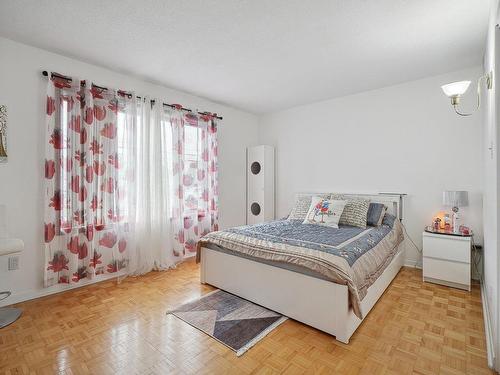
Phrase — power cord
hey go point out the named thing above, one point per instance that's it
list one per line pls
(476, 258)
(411, 240)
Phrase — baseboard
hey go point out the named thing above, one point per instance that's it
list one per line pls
(59, 288)
(413, 263)
(490, 349)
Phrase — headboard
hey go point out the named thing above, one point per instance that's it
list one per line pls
(393, 201)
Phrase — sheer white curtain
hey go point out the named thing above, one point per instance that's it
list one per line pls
(153, 215)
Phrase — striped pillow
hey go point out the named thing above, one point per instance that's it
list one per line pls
(355, 211)
(302, 204)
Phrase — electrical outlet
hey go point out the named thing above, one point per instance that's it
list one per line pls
(13, 263)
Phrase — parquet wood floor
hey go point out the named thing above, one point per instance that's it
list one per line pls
(111, 328)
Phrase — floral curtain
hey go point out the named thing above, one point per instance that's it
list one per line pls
(194, 189)
(89, 181)
(129, 186)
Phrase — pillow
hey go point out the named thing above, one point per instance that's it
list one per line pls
(325, 212)
(389, 220)
(376, 212)
(355, 211)
(302, 204)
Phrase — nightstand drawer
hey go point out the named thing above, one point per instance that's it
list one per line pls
(447, 247)
(458, 273)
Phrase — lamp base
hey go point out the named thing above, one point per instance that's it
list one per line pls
(455, 220)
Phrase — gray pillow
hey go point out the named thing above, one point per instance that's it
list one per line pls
(375, 215)
(355, 211)
(302, 204)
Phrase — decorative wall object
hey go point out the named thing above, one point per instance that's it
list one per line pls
(3, 134)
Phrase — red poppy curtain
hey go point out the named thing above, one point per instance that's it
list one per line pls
(89, 181)
(194, 194)
(129, 187)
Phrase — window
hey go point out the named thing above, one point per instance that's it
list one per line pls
(189, 179)
(192, 152)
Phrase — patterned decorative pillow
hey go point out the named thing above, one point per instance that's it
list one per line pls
(355, 211)
(376, 212)
(325, 212)
(301, 207)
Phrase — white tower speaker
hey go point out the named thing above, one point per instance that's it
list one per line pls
(260, 184)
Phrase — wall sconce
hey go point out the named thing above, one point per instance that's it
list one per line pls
(455, 91)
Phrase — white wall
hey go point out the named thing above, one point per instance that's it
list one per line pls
(22, 89)
(490, 183)
(404, 138)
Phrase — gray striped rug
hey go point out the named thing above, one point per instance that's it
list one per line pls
(233, 321)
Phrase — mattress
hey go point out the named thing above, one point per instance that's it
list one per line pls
(348, 255)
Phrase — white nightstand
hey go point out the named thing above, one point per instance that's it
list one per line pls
(447, 260)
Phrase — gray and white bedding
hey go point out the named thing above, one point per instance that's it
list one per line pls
(346, 255)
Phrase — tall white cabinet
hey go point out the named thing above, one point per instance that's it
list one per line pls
(260, 184)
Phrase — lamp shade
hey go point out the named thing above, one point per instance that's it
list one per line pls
(455, 88)
(455, 198)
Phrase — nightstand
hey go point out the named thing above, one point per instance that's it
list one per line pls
(447, 259)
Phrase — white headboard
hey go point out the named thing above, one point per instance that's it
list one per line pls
(393, 201)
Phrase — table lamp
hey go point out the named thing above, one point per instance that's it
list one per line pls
(455, 199)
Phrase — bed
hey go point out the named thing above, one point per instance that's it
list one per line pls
(324, 277)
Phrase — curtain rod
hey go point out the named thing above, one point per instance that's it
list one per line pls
(46, 74)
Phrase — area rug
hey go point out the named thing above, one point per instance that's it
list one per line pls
(233, 321)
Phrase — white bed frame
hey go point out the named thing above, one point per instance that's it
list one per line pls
(319, 303)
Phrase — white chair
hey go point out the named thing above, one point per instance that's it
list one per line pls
(8, 246)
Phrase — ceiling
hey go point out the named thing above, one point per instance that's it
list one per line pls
(259, 55)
